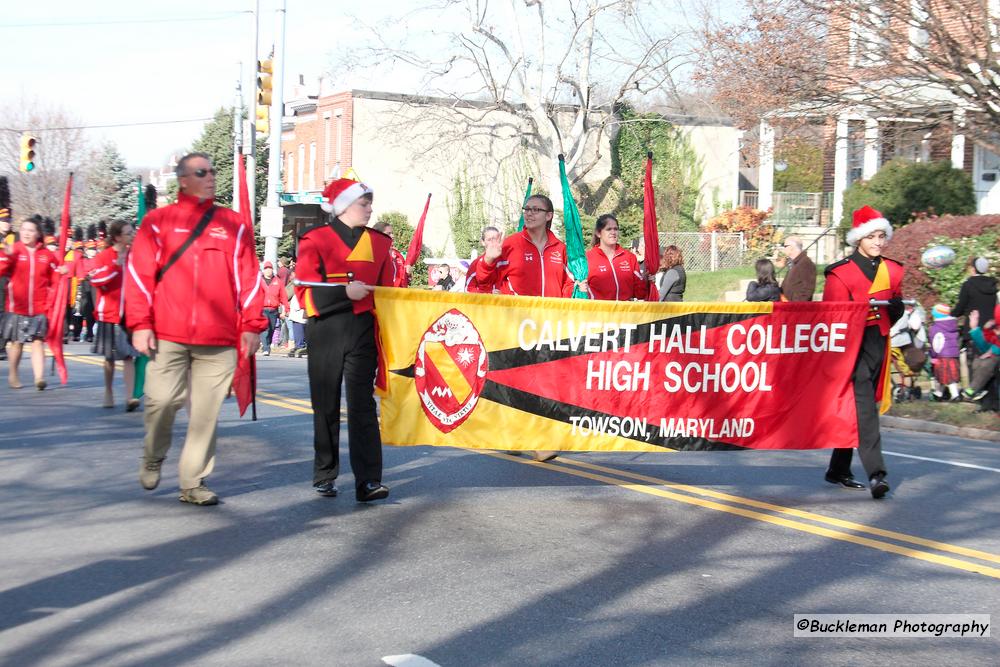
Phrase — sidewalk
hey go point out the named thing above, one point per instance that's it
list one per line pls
(924, 426)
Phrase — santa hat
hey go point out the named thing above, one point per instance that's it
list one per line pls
(865, 221)
(341, 193)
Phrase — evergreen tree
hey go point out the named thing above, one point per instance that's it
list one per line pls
(110, 192)
(216, 140)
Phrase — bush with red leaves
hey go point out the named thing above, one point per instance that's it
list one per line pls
(909, 242)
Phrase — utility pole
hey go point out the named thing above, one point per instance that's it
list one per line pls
(237, 139)
(271, 217)
(250, 131)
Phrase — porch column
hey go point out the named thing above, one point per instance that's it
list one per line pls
(871, 163)
(958, 140)
(839, 170)
(765, 173)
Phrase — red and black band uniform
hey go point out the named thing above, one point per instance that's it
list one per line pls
(858, 278)
(342, 343)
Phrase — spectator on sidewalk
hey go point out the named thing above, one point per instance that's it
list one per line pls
(800, 281)
(765, 288)
(978, 293)
(671, 279)
(987, 361)
(944, 351)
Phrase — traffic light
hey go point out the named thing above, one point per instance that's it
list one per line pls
(265, 68)
(28, 153)
(263, 122)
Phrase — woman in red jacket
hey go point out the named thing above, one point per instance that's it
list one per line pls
(112, 341)
(531, 262)
(612, 271)
(32, 270)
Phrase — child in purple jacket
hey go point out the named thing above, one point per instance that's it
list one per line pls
(944, 352)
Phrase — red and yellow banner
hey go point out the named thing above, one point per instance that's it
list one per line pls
(523, 373)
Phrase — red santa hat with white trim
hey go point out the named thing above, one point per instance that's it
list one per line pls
(865, 221)
(341, 193)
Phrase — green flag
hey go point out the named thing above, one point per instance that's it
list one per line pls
(142, 359)
(527, 195)
(575, 251)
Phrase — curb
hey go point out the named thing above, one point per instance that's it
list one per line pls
(941, 429)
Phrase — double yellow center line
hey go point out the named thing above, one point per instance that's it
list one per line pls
(788, 517)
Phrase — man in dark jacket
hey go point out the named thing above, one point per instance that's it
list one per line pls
(800, 281)
(977, 294)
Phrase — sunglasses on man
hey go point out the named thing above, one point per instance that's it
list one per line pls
(201, 173)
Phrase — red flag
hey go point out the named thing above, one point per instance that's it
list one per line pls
(57, 309)
(650, 234)
(245, 377)
(417, 242)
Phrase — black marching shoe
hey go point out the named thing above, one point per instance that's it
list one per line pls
(845, 481)
(370, 491)
(327, 489)
(879, 486)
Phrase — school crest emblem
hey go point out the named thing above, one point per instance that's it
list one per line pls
(450, 370)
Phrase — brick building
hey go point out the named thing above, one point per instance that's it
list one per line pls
(872, 46)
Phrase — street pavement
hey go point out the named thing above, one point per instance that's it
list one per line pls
(475, 559)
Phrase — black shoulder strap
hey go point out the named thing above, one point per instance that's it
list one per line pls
(195, 233)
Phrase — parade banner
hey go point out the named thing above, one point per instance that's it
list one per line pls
(488, 371)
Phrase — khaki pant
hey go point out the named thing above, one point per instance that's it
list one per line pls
(210, 370)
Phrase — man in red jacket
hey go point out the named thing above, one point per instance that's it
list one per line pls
(275, 304)
(193, 301)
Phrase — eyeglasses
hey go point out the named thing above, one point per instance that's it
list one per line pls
(532, 209)
(201, 173)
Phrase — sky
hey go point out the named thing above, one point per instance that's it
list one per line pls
(112, 62)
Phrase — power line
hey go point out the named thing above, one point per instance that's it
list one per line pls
(95, 127)
(72, 23)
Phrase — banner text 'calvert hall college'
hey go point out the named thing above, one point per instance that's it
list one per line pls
(501, 372)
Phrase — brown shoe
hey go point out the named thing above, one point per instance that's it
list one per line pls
(200, 495)
(40, 385)
(543, 456)
(131, 405)
(149, 474)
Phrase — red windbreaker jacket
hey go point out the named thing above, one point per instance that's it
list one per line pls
(399, 277)
(107, 276)
(274, 293)
(32, 279)
(472, 283)
(617, 279)
(520, 270)
(211, 294)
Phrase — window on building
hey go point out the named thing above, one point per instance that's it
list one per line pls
(919, 37)
(302, 167)
(326, 146)
(340, 137)
(855, 151)
(312, 166)
(290, 171)
(868, 39)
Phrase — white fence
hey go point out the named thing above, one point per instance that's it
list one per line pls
(707, 251)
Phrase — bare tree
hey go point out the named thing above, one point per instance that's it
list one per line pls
(61, 150)
(546, 74)
(931, 62)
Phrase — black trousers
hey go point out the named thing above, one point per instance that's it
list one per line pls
(342, 348)
(272, 318)
(866, 377)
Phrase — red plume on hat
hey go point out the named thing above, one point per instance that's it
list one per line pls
(341, 193)
(865, 221)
